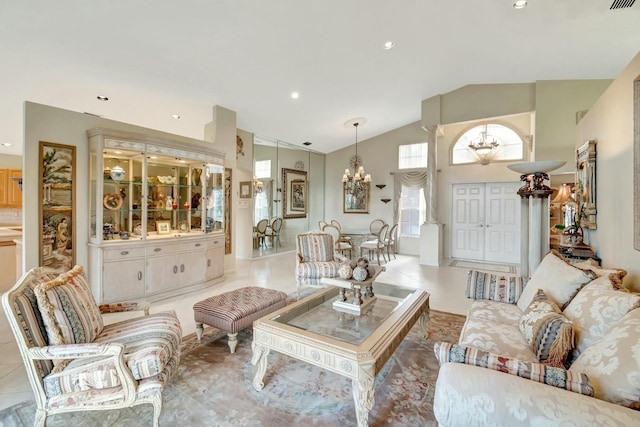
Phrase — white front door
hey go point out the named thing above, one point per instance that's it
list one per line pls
(486, 222)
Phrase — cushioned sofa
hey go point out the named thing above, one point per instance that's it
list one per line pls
(566, 353)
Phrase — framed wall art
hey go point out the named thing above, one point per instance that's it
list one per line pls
(245, 189)
(57, 197)
(295, 197)
(355, 199)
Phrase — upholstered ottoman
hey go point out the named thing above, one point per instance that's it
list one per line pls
(236, 310)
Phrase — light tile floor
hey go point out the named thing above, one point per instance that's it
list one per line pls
(445, 284)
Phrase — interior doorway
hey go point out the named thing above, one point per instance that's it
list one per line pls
(486, 222)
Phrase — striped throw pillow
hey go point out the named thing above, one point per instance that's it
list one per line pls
(558, 377)
(494, 287)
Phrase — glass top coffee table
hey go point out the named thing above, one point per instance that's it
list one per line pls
(355, 346)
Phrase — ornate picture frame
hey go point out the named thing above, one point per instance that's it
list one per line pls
(586, 184)
(295, 197)
(57, 194)
(245, 189)
(355, 201)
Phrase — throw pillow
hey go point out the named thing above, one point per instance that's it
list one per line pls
(557, 377)
(557, 278)
(69, 311)
(494, 287)
(597, 307)
(613, 363)
(548, 332)
(593, 265)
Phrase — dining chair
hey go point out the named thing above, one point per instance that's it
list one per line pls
(340, 245)
(376, 245)
(374, 228)
(261, 231)
(343, 238)
(274, 232)
(321, 224)
(392, 241)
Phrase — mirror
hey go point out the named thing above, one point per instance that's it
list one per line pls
(294, 197)
(586, 184)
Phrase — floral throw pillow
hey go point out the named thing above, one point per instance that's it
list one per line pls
(557, 377)
(548, 332)
(613, 362)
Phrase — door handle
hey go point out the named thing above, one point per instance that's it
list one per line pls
(181, 268)
(480, 225)
(175, 269)
(488, 225)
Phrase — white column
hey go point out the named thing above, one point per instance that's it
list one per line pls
(431, 238)
(524, 235)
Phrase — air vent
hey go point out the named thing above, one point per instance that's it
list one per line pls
(622, 4)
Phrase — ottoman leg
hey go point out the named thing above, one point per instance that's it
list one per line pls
(199, 330)
(233, 341)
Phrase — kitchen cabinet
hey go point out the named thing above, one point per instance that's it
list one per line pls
(156, 213)
(10, 194)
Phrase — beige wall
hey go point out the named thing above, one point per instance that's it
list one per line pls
(7, 161)
(610, 122)
(557, 102)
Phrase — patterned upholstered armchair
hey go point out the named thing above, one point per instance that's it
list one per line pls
(74, 362)
(316, 258)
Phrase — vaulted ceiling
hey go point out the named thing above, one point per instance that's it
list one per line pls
(155, 58)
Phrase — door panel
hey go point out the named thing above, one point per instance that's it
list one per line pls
(468, 202)
(486, 222)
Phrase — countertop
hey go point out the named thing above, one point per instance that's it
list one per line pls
(8, 234)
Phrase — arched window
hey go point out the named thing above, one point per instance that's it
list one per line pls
(509, 146)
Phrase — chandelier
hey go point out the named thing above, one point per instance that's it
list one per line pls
(483, 146)
(257, 185)
(359, 180)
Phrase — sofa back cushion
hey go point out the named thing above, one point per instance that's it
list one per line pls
(68, 308)
(557, 278)
(317, 247)
(548, 332)
(596, 308)
(613, 362)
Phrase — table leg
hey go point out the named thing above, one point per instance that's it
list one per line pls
(422, 323)
(363, 394)
(260, 354)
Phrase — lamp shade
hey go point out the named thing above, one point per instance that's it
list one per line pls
(564, 194)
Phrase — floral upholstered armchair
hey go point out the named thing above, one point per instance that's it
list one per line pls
(74, 362)
(316, 258)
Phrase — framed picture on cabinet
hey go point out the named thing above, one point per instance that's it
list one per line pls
(163, 227)
(57, 197)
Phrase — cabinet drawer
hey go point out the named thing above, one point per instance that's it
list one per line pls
(215, 242)
(163, 249)
(123, 253)
(193, 246)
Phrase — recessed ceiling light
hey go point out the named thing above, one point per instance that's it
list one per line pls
(295, 95)
(102, 98)
(7, 144)
(388, 45)
(118, 152)
(153, 157)
(520, 4)
(175, 116)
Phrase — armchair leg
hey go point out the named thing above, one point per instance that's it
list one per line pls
(157, 408)
(41, 418)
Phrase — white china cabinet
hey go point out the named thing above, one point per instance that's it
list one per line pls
(157, 211)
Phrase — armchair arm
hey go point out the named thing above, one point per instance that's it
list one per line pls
(125, 306)
(80, 351)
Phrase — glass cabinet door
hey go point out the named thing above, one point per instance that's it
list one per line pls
(214, 211)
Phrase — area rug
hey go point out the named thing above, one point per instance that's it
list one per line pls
(485, 266)
(214, 388)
